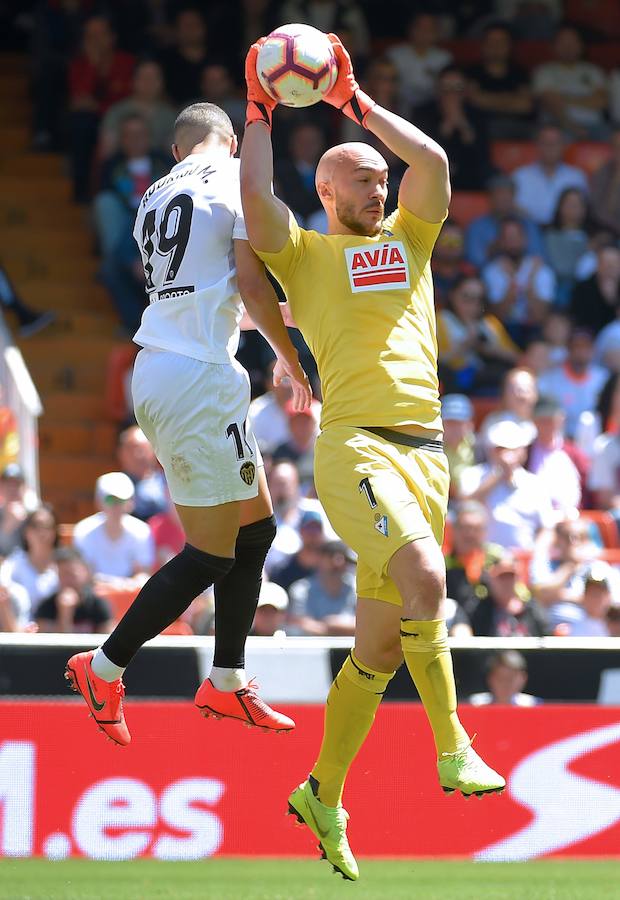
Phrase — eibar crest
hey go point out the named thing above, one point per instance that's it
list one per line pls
(248, 472)
(382, 526)
(378, 267)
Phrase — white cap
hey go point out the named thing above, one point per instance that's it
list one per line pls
(114, 484)
(510, 434)
(272, 594)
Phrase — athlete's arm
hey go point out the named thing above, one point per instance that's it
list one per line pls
(262, 306)
(266, 217)
(425, 188)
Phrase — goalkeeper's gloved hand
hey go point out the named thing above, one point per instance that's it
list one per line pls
(346, 94)
(260, 105)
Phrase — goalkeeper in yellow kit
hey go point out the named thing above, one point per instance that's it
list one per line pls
(362, 296)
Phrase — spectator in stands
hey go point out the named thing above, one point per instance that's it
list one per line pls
(382, 82)
(481, 235)
(12, 508)
(124, 179)
(459, 438)
(520, 287)
(594, 302)
(459, 128)
(605, 188)
(470, 555)
(562, 561)
(268, 418)
(32, 565)
(217, 86)
(507, 609)
(535, 356)
(294, 173)
(448, 261)
(613, 619)
(168, 534)
(561, 466)
(74, 606)
(607, 345)
(556, 332)
(517, 501)
(540, 184)
(99, 76)
(577, 383)
(324, 604)
(147, 101)
(305, 562)
(572, 92)
(270, 615)
(419, 60)
(475, 350)
(499, 87)
(114, 543)
(604, 478)
(518, 397)
(288, 507)
(184, 61)
(30, 320)
(300, 447)
(567, 241)
(506, 677)
(15, 608)
(596, 602)
(137, 460)
(331, 15)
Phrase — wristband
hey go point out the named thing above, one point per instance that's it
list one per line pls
(358, 107)
(258, 112)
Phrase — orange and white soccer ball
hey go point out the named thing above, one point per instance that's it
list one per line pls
(296, 65)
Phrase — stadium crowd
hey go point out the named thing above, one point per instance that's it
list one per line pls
(527, 281)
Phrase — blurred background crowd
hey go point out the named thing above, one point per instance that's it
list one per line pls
(525, 97)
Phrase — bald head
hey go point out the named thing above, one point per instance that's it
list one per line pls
(351, 181)
(199, 125)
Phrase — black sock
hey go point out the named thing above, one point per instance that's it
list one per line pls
(236, 594)
(164, 597)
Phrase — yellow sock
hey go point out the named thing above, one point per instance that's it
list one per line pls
(428, 658)
(352, 702)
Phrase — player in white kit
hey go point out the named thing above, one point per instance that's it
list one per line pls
(191, 399)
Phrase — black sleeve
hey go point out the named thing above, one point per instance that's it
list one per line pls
(100, 609)
(47, 609)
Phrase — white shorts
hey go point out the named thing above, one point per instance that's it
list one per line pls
(195, 415)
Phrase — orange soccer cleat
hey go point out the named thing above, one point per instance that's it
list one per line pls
(244, 705)
(103, 698)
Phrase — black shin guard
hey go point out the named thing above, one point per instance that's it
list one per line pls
(236, 594)
(164, 597)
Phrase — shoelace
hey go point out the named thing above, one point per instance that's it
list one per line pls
(257, 707)
(120, 689)
(458, 753)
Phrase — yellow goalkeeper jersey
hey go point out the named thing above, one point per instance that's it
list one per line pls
(365, 307)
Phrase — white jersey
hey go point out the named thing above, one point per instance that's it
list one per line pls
(184, 228)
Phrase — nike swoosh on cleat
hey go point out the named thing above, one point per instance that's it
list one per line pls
(318, 827)
(98, 706)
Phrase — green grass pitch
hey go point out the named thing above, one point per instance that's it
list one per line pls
(245, 879)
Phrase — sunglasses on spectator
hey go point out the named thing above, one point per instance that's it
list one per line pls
(42, 526)
(111, 500)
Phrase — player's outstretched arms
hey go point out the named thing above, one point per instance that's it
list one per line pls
(261, 304)
(425, 188)
(266, 217)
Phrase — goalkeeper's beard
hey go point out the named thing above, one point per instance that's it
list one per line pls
(346, 216)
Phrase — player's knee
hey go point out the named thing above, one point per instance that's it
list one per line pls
(257, 537)
(390, 657)
(420, 575)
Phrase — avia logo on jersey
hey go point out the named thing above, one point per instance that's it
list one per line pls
(377, 267)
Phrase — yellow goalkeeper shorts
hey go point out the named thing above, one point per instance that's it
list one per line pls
(380, 495)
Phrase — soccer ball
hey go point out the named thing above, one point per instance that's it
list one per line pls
(296, 65)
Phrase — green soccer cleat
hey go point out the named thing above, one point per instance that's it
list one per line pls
(464, 771)
(329, 824)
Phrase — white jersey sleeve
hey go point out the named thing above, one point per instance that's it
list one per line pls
(184, 228)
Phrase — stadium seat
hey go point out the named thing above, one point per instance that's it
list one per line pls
(588, 155)
(606, 525)
(509, 155)
(119, 362)
(611, 556)
(119, 599)
(446, 547)
(482, 407)
(466, 206)
(65, 533)
(523, 559)
(532, 53)
(598, 15)
(465, 51)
